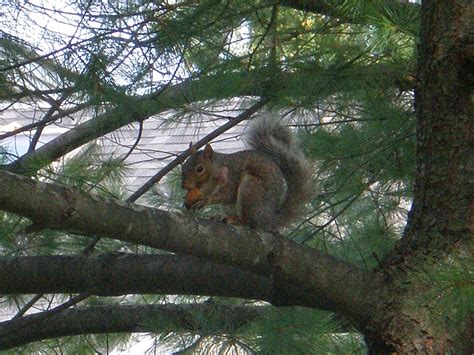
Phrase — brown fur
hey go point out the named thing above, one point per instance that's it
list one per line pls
(268, 186)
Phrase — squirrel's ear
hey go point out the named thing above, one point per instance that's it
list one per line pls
(208, 151)
(191, 149)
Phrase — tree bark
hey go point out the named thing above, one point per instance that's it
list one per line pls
(336, 285)
(441, 221)
(120, 319)
(120, 273)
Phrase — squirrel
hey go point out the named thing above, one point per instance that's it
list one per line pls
(267, 186)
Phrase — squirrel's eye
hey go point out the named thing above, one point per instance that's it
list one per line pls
(199, 169)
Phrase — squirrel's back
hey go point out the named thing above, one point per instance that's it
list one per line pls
(267, 136)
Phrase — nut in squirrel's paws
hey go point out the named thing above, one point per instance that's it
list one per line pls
(194, 199)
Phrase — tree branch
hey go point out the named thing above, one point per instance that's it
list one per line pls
(119, 274)
(219, 86)
(334, 285)
(125, 319)
(132, 109)
(46, 120)
(334, 9)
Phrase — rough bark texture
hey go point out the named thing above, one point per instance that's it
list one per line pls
(441, 220)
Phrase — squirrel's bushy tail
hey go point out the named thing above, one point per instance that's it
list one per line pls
(269, 137)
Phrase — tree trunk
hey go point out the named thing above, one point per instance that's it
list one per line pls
(440, 224)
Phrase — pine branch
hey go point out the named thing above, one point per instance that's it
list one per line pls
(28, 305)
(46, 120)
(55, 105)
(245, 115)
(119, 274)
(131, 109)
(213, 87)
(334, 9)
(120, 318)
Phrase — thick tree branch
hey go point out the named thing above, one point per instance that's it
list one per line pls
(119, 274)
(119, 319)
(440, 225)
(334, 284)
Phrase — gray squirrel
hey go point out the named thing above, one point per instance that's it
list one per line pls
(267, 186)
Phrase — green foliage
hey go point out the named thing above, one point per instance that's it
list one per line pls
(90, 170)
(323, 56)
(447, 290)
(383, 13)
(365, 165)
(278, 331)
(170, 196)
(82, 345)
(203, 329)
(11, 239)
(301, 331)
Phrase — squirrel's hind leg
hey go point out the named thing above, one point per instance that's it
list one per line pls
(255, 205)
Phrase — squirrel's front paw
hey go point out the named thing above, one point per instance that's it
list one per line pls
(194, 199)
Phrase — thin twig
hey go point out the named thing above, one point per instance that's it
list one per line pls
(27, 306)
(356, 196)
(139, 137)
(45, 120)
